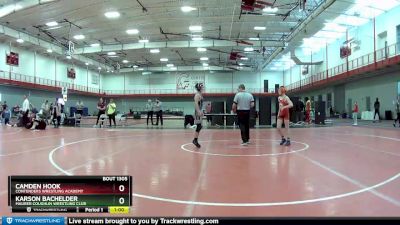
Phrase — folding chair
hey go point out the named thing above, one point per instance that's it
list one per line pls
(102, 119)
(78, 119)
(121, 118)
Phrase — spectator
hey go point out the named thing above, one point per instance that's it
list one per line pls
(308, 110)
(25, 105)
(6, 115)
(397, 109)
(111, 111)
(355, 113)
(150, 111)
(159, 111)
(16, 110)
(23, 120)
(1, 112)
(56, 117)
(208, 111)
(4, 106)
(79, 107)
(377, 106)
(299, 109)
(45, 109)
(37, 122)
(101, 106)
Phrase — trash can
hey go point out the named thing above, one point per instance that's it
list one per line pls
(388, 115)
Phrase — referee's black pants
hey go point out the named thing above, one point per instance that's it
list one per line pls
(244, 124)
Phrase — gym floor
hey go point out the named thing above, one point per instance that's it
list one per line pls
(328, 171)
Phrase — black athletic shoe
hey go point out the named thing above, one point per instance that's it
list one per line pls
(394, 125)
(196, 143)
(283, 141)
(287, 143)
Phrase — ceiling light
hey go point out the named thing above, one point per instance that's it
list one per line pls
(254, 39)
(270, 10)
(197, 38)
(87, 64)
(143, 41)
(164, 60)
(154, 51)
(132, 31)
(248, 49)
(260, 28)
(173, 68)
(95, 45)
(203, 58)
(49, 50)
(112, 14)
(170, 65)
(113, 56)
(241, 64)
(79, 37)
(187, 9)
(135, 66)
(140, 69)
(99, 68)
(201, 49)
(69, 57)
(195, 28)
(111, 53)
(125, 61)
(52, 24)
(19, 40)
(244, 58)
(205, 64)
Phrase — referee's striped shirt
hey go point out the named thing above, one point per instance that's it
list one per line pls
(243, 100)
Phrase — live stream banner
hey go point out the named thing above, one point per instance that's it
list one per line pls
(220, 221)
(88, 194)
(189, 221)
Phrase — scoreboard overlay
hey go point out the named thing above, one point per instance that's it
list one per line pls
(87, 194)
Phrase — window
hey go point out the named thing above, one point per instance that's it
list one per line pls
(95, 79)
(398, 37)
(398, 89)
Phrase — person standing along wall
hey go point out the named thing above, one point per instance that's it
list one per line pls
(25, 104)
(377, 106)
(159, 111)
(111, 111)
(56, 114)
(397, 110)
(355, 114)
(150, 112)
(6, 114)
(308, 111)
(101, 106)
(45, 109)
(208, 111)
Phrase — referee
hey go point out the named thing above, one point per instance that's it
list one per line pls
(242, 103)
